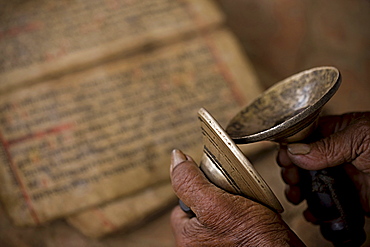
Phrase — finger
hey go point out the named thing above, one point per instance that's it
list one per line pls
(190, 184)
(178, 220)
(294, 194)
(184, 228)
(178, 157)
(347, 145)
(290, 175)
(283, 159)
(309, 217)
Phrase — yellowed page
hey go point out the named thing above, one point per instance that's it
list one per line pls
(118, 215)
(41, 38)
(126, 213)
(90, 137)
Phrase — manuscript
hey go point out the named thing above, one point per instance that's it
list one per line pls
(125, 213)
(41, 39)
(88, 121)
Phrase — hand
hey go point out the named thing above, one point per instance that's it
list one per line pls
(346, 141)
(222, 219)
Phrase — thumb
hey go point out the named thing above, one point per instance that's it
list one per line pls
(190, 184)
(348, 145)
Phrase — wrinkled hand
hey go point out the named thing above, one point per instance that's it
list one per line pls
(346, 141)
(222, 219)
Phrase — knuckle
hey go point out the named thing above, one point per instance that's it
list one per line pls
(182, 178)
(329, 151)
(346, 145)
(360, 141)
(185, 185)
(192, 233)
(189, 182)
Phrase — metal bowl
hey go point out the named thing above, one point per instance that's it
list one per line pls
(287, 111)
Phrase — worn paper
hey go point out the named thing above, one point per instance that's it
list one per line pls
(41, 39)
(126, 213)
(242, 84)
(93, 136)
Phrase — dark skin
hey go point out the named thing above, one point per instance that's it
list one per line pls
(346, 142)
(223, 219)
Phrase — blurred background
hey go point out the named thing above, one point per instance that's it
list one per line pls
(280, 38)
(283, 37)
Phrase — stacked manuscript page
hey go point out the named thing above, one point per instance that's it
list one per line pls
(95, 94)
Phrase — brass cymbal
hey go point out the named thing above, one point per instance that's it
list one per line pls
(286, 112)
(226, 166)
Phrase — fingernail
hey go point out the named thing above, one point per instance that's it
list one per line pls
(177, 158)
(299, 148)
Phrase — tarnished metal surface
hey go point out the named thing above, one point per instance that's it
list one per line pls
(285, 111)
